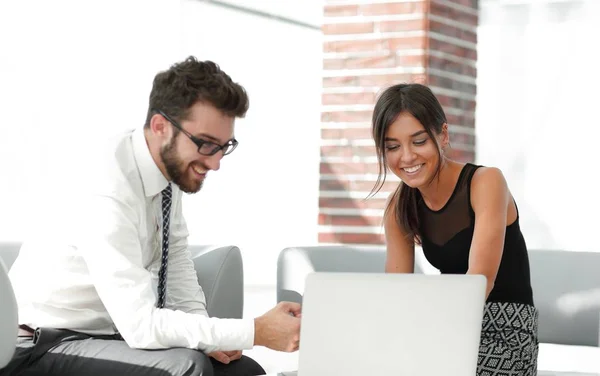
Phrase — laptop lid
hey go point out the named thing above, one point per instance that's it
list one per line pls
(357, 324)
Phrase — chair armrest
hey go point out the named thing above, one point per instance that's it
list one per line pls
(293, 265)
(220, 273)
(9, 252)
(296, 263)
(9, 321)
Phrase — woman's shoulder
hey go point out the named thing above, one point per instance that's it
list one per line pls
(487, 175)
(488, 183)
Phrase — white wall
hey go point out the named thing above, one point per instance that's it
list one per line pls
(537, 116)
(72, 71)
(271, 185)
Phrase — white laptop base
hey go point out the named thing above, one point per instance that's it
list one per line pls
(357, 324)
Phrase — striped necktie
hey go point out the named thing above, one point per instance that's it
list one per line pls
(162, 273)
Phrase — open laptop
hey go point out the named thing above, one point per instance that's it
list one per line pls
(357, 324)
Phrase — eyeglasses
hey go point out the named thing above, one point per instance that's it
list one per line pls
(204, 147)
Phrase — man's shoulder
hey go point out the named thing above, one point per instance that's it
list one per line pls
(115, 153)
(111, 169)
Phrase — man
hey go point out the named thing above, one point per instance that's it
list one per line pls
(113, 279)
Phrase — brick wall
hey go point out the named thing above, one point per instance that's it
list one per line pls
(368, 46)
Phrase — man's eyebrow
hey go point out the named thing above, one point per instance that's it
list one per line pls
(209, 137)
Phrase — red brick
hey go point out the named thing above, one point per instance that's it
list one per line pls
(473, 4)
(406, 43)
(410, 61)
(346, 116)
(467, 119)
(466, 3)
(461, 138)
(442, 10)
(387, 61)
(385, 80)
(340, 81)
(457, 103)
(392, 8)
(349, 98)
(349, 203)
(348, 151)
(380, 44)
(449, 83)
(336, 168)
(341, 10)
(453, 49)
(333, 64)
(347, 133)
(400, 25)
(356, 45)
(351, 238)
(377, 80)
(349, 220)
(356, 186)
(451, 66)
(348, 28)
(452, 31)
(461, 155)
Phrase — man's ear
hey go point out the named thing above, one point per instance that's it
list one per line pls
(160, 126)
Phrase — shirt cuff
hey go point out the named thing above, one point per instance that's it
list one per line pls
(236, 334)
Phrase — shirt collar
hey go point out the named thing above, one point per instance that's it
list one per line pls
(153, 180)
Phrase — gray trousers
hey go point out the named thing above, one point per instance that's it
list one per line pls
(66, 353)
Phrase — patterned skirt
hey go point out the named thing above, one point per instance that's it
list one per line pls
(509, 342)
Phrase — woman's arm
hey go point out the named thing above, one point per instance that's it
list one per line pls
(400, 257)
(489, 199)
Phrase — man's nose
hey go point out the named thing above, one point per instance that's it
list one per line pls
(214, 161)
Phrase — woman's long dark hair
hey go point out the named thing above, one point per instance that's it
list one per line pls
(419, 101)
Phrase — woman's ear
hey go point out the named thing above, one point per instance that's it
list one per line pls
(444, 137)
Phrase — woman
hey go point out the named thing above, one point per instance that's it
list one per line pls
(463, 216)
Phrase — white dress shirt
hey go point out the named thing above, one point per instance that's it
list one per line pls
(94, 266)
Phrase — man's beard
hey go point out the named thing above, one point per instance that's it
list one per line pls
(177, 170)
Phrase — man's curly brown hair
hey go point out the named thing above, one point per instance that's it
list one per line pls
(177, 89)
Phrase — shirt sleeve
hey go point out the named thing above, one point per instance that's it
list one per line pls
(109, 243)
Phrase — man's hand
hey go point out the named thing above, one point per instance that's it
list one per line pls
(226, 357)
(279, 329)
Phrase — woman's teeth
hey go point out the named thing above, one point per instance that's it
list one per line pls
(410, 170)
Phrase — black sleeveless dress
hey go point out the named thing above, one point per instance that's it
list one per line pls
(509, 344)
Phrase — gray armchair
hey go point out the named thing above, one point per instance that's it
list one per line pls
(8, 318)
(566, 288)
(295, 263)
(219, 270)
(9, 252)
